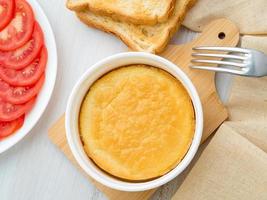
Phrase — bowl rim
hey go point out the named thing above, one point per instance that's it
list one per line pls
(73, 139)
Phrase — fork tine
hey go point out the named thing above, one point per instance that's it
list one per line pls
(219, 69)
(218, 62)
(229, 49)
(219, 56)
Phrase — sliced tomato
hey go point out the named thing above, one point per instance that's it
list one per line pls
(24, 55)
(10, 112)
(8, 128)
(2, 56)
(6, 12)
(28, 75)
(19, 30)
(21, 94)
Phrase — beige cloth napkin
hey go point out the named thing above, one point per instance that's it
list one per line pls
(255, 42)
(229, 168)
(249, 15)
(234, 164)
(248, 102)
(248, 110)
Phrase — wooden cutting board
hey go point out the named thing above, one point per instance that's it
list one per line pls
(214, 111)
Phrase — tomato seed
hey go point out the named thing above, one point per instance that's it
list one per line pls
(19, 91)
(9, 108)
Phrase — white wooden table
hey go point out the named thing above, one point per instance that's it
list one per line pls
(35, 168)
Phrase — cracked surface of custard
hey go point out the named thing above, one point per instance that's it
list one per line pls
(137, 122)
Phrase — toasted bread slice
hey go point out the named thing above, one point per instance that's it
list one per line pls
(147, 12)
(140, 37)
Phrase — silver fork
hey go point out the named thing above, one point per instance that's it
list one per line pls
(238, 61)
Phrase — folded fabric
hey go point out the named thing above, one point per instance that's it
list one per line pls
(250, 16)
(247, 104)
(255, 42)
(231, 167)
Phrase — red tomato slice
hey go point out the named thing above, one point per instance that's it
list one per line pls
(19, 30)
(10, 112)
(28, 75)
(8, 128)
(20, 95)
(24, 55)
(6, 12)
(2, 57)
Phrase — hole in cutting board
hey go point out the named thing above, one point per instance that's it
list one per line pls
(221, 35)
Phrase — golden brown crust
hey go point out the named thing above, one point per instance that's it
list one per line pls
(76, 7)
(128, 42)
(156, 47)
(117, 15)
(172, 31)
(169, 13)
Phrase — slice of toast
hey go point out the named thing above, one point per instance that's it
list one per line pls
(147, 38)
(147, 12)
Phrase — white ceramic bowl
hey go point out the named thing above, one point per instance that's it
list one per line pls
(80, 90)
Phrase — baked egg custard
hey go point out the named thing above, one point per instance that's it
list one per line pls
(137, 122)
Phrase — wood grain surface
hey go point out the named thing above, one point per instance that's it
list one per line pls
(214, 111)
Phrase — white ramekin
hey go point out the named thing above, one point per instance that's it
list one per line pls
(80, 90)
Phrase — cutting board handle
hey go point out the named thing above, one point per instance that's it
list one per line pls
(221, 32)
(218, 33)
